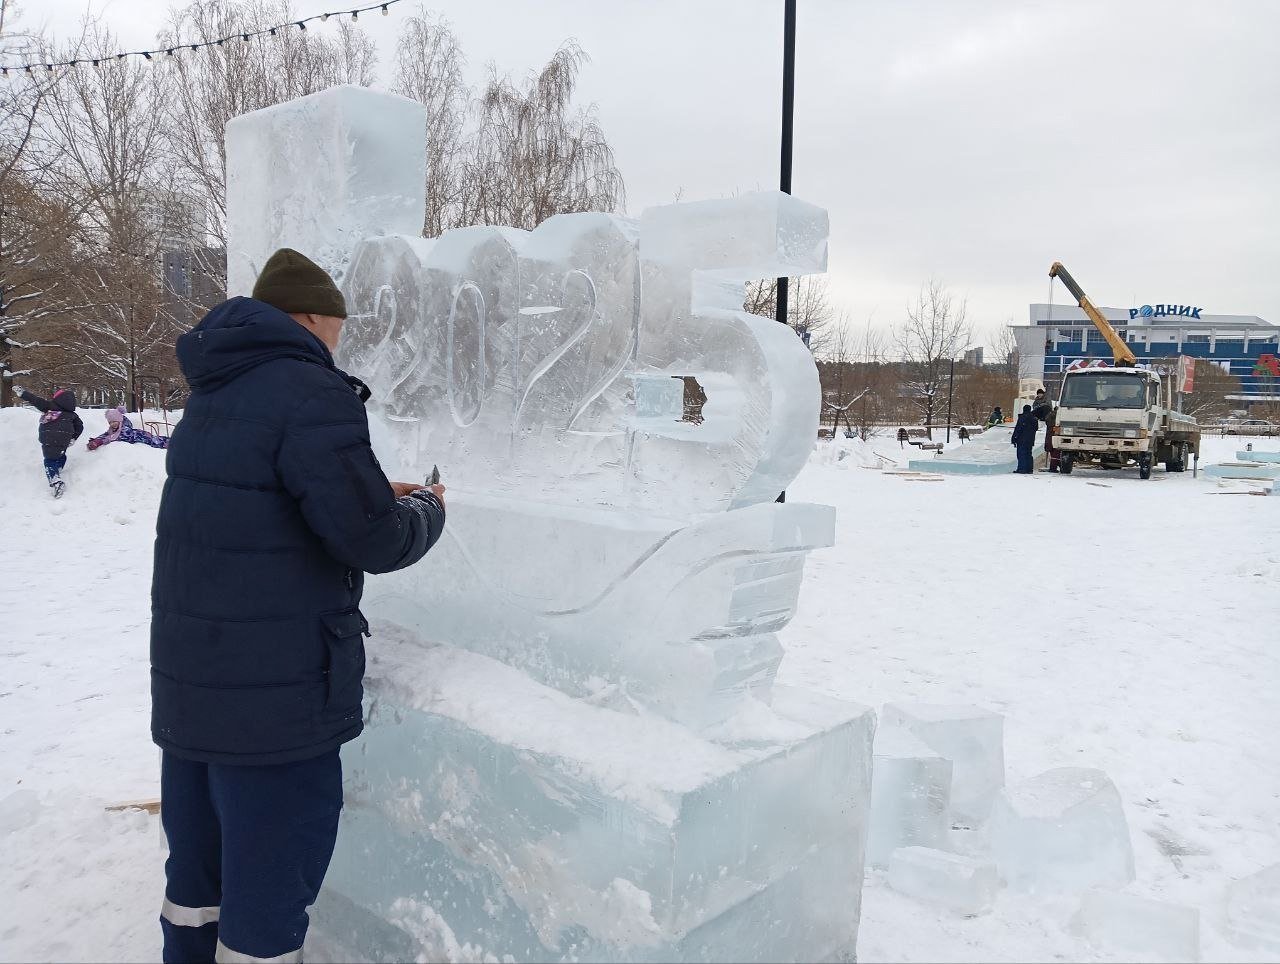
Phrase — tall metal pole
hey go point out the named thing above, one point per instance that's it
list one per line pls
(788, 125)
(951, 388)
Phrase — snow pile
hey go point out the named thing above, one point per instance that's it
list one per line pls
(846, 453)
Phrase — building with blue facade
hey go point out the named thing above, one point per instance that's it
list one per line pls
(1245, 346)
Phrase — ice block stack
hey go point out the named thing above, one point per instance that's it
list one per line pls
(575, 748)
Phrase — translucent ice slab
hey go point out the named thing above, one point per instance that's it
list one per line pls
(971, 738)
(910, 796)
(964, 884)
(1247, 456)
(546, 828)
(1253, 910)
(1138, 926)
(1061, 831)
(319, 174)
(1243, 470)
(991, 453)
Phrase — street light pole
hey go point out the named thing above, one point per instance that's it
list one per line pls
(951, 389)
(788, 125)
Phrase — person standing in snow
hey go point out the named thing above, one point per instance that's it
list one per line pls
(59, 427)
(1042, 408)
(274, 509)
(119, 428)
(1024, 437)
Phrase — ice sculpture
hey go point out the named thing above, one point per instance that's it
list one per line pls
(574, 744)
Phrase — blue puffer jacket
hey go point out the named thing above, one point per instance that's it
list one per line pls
(273, 510)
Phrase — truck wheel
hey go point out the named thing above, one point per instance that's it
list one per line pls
(1144, 467)
(1066, 463)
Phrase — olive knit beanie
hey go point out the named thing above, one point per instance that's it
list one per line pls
(295, 284)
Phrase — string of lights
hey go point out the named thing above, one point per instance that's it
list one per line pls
(179, 48)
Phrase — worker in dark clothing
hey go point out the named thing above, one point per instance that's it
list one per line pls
(1024, 437)
(995, 418)
(274, 509)
(1042, 408)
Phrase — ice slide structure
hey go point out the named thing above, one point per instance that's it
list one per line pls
(575, 746)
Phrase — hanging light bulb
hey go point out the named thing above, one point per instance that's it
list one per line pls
(273, 31)
(97, 63)
(355, 14)
(146, 55)
(244, 37)
(324, 18)
(385, 11)
(194, 48)
(302, 26)
(169, 51)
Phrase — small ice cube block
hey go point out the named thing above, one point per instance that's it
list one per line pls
(964, 884)
(1138, 926)
(971, 738)
(910, 796)
(1253, 910)
(1061, 831)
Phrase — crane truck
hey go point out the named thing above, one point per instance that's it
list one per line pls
(1121, 414)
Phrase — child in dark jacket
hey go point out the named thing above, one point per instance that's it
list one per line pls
(59, 427)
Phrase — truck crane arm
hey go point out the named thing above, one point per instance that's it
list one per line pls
(1122, 357)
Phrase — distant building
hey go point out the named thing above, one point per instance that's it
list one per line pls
(195, 279)
(1245, 346)
(973, 356)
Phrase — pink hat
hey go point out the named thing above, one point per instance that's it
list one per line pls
(114, 415)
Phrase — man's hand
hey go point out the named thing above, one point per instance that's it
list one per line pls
(438, 490)
(401, 489)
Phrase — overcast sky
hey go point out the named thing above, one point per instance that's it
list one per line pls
(1136, 141)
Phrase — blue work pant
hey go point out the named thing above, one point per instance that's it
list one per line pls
(248, 850)
(1026, 463)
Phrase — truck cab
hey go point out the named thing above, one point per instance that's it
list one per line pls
(1113, 417)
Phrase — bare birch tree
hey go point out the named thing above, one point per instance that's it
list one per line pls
(809, 309)
(534, 155)
(428, 69)
(936, 329)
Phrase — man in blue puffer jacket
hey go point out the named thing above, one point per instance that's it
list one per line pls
(274, 509)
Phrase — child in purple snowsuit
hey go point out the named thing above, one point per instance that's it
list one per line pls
(119, 428)
(59, 427)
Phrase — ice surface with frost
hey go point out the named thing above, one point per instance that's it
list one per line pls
(574, 745)
(320, 173)
(1061, 831)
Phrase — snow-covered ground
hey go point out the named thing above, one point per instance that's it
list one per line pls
(1124, 625)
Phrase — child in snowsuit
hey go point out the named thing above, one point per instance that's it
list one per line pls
(120, 428)
(59, 427)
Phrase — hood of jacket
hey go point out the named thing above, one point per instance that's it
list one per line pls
(65, 399)
(241, 334)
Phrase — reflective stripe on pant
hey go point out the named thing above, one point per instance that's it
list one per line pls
(248, 850)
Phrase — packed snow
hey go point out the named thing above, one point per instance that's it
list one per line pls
(1115, 624)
